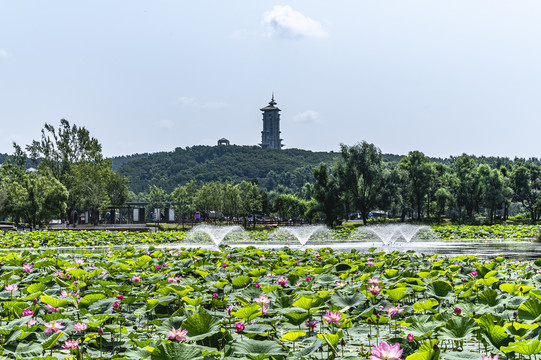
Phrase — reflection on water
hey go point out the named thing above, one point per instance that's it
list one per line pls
(525, 250)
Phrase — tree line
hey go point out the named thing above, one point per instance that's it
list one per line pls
(73, 176)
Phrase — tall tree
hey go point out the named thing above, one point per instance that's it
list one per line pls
(326, 194)
(421, 174)
(363, 174)
(469, 189)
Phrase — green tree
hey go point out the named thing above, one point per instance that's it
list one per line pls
(184, 196)
(492, 184)
(468, 191)
(526, 185)
(251, 199)
(421, 174)
(362, 176)
(326, 194)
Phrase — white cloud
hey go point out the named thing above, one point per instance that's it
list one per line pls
(308, 116)
(3, 53)
(283, 21)
(193, 102)
(166, 124)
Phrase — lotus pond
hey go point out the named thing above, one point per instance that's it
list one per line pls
(251, 303)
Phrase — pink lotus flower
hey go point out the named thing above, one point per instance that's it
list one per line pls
(264, 308)
(369, 263)
(28, 312)
(240, 326)
(262, 299)
(71, 344)
(308, 278)
(11, 287)
(457, 310)
(490, 357)
(31, 322)
(120, 297)
(177, 334)
(229, 309)
(392, 311)
(410, 338)
(257, 286)
(51, 308)
(79, 261)
(53, 326)
(385, 351)
(332, 317)
(27, 267)
(474, 273)
(282, 281)
(373, 281)
(116, 305)
(80, 327)
(136, 279)
(312, 324)
(374, 290)
(174, 279)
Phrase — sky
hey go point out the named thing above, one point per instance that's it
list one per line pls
(442, 77)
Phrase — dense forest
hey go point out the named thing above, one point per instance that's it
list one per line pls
(223, 163)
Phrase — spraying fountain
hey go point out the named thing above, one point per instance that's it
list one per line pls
(388, 234)
(216, 233)
(304, 233)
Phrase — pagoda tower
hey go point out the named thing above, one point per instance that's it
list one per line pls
(270, 136)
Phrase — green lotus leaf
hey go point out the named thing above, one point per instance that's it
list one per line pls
(331, 339)
(173, 351)
(496, 336)
(293, 335)
(259, 347)
(240, 281)
(77, 273)
(54, 302)
(425, 305)
(343, 300)
(262, 329)
(520, 331)
(489, 297)
(530, 310)
(529, 347)
(426, 352)
(308, 303)
(90, 299)
(390, 273)
(189, 301)
(342, 267)
(397, 294)
(440, 289)
(488, 281)
(297, 317)
(422, 329)
(310, 349)
(142, 261)
(23, 350)
(201, 326)
(247, 312)
(458, 328)
(35, 288)
(51, 340)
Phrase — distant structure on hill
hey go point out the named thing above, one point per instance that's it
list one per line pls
(223, 141)
(270, 136)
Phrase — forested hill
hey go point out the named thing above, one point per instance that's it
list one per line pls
(224, 163)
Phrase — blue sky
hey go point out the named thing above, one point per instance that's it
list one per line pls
(442, 77)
